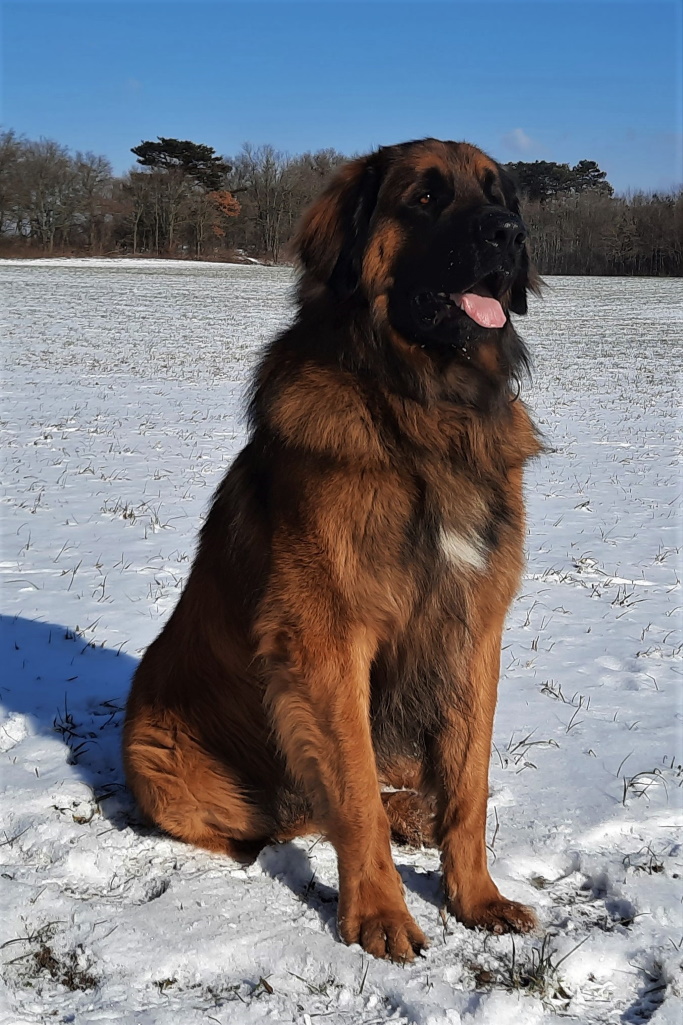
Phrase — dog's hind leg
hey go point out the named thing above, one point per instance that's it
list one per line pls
(410, 811)
(411, 818)
(187, 792)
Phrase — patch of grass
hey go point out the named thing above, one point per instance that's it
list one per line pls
(536, 972)
(645, 860)
(640, 783)
(319, 988)
(65, 724)
(65, 969)
(514, 755)
(69, 969)
(163, 984)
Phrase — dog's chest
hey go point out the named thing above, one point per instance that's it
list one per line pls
(463, 556)
(460, 522)
(464, 550)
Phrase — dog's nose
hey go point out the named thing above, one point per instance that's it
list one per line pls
(503, 230)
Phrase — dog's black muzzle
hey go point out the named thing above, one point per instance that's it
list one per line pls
(500, 232)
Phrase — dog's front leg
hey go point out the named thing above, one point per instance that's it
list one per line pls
(317, 689)
(461, 767)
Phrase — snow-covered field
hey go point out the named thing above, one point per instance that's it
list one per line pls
(123, 391)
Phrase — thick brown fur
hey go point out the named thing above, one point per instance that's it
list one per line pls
(340, 631)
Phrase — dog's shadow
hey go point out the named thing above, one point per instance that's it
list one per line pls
(58, 684)
(425, 883)
(291, 865)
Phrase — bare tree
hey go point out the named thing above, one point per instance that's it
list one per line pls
(47, 193)
(11, 148)
(262, 172)
(93, 192)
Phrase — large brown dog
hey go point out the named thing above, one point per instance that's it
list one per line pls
(340, 630)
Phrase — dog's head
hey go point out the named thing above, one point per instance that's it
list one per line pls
(430, 234)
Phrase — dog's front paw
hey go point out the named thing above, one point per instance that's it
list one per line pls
(390, 934)
(498, 916)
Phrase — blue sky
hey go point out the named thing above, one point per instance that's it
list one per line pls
(551, 79)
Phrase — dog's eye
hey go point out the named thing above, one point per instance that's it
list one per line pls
(432, 193)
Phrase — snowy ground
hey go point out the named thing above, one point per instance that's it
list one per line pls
(124, 384)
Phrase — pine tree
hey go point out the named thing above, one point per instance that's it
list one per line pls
(541, 180)
(199, 162)
(587, 177)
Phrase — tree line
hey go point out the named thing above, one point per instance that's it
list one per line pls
(183, 199)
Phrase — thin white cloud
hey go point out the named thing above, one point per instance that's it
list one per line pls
(518, 141)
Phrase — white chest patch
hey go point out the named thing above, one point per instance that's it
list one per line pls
(463, 552)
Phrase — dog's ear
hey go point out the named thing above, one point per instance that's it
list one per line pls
(334, 230)
(528, 279)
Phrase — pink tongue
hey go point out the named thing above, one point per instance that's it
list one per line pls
(485, 310)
